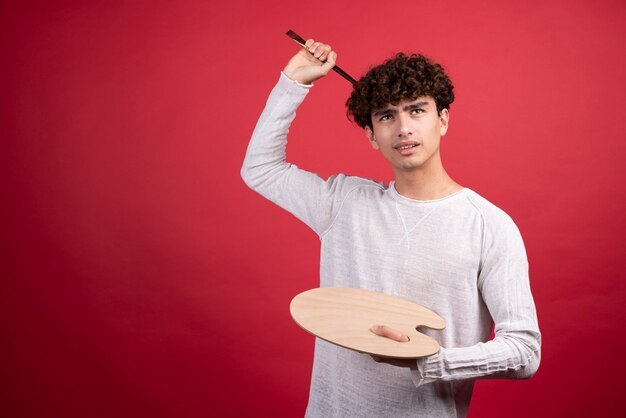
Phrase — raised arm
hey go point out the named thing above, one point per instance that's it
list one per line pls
(265, 169)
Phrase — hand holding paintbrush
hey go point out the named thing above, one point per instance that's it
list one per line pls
(298, 39)
(311, 63)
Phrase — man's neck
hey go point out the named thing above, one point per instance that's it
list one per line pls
(425, 185)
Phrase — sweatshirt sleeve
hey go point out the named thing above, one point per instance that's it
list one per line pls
(310, 198)
(515, 350)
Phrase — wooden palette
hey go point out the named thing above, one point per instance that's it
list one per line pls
(344, 317)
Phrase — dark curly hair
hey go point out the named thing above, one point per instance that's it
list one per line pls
(399, 78)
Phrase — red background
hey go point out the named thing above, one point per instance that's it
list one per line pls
(140, 277)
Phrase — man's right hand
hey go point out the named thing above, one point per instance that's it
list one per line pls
(312, 62)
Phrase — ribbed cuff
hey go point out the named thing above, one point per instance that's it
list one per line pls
(428, 369)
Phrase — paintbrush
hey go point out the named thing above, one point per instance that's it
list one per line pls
(302, 42)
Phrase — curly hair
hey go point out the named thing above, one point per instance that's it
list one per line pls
(399, 78)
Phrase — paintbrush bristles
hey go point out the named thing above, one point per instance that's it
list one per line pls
(296, 38)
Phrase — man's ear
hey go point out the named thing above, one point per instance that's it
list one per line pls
(371, 137)
(444, 118)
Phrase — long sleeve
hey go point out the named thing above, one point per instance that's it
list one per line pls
(310, 198)
(515, 351)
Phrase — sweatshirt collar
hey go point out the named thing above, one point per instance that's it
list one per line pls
(413, 202)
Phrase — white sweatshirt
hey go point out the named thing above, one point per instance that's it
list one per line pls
(459, 256)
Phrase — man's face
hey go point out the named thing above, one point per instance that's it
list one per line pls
(408, 134)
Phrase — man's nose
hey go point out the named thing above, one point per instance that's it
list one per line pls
(404, 125)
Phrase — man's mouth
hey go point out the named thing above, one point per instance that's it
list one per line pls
(406, 147)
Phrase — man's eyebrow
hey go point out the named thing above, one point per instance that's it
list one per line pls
(415, 105)
(384, 111)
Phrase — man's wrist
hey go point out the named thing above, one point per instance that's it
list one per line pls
(306, 85)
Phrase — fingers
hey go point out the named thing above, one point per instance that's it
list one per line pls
(319, 50)
(385, 331)
(331, 59)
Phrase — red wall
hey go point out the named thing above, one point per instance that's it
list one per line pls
(140, 277)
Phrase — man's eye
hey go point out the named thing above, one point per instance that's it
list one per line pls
(417, 111)
(385, 117)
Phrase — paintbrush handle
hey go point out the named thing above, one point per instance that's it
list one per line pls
(302, 43)
(343, 74)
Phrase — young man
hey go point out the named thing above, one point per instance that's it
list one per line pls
(424, 238)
